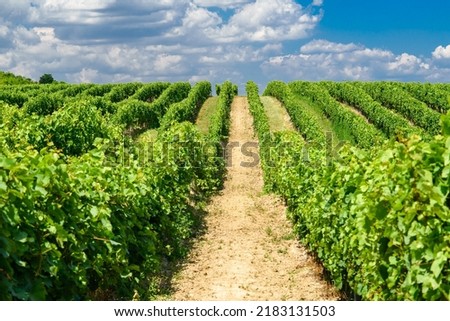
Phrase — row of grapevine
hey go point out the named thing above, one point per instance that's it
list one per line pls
(377, 219)
(364, 134)
(98, 225)
(150, 92)
(188, 108)
(220, 120)
(70, 228)
(74, 90)
(53, 121)
(113, 93)
(261, 125)
(98, 90)
(14, 98)
(430, 94)
(138, 112)
(305, 122)
(44, 104)
(218, 134)
(393, 97)
(390, 123)
(122, 92)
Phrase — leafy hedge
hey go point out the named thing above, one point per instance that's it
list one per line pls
(305, 122)
(364, 134)
(378, 219)
(122, 92)
(13, 98)
(397, 99)
(137, 112)
(75, 127)
(430, 94)
(44, 104)
(220, 120)
(188, 108)
(150, 92)
(95, 226)
(390, 123)
(100, 225)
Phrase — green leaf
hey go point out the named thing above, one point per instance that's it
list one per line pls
(21, 237)
(382, 210)
(106, 224)
(387, 156)
(115, 243)
(438, 264)
(3, 186)
(38, 292)
(445, 123)
(94, 211)
(7, 163)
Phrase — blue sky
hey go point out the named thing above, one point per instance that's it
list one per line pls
(414, 26)
(238, 40)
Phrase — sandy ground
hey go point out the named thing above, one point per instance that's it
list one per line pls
(248, 251)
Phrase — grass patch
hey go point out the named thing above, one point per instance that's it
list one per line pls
(206, 113)
(148, 136)
(339, 132)
(276, 113)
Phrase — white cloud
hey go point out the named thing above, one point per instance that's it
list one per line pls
(407, 63)
(86, 75)
(442, 52)
(144, 40)
(4, 31)
(197, 20)
(68, 11)
(171, 64)
(14, 8)
(224, 4)
(322, 59)
(258, 21)
(267, 20)
(317, 46)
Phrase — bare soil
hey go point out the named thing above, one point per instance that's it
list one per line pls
(248, 251)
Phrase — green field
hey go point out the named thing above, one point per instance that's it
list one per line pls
(101, 185)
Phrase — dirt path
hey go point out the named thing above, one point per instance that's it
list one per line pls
(248, 251)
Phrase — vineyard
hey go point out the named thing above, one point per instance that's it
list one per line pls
(101, 186)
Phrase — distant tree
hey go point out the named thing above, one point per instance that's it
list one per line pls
(46, 79)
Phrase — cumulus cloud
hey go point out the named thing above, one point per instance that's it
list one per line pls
(108, 40)
(266, 20)
(322, 59)
(86, 75)
(322, 46)
(224, 4)
(145, 40)
(442, 52)
(259, 21)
